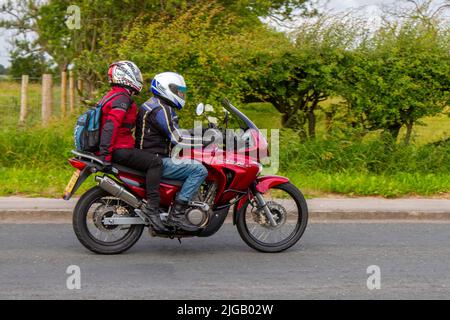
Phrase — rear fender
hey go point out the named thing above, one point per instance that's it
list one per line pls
(85, 172)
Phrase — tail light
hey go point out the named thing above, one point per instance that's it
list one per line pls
(80, 165)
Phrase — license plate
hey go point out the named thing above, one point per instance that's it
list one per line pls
(72, 183)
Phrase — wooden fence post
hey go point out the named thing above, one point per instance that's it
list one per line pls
(71, 92)
(47, 98)
(24, 99)
(80, 86)
(63, 93)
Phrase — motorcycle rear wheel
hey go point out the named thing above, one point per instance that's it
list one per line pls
(291, 212)
(93, 234)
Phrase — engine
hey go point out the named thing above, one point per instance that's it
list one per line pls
(197, 216)
(199, 212)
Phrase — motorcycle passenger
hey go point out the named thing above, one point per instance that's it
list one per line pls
(157, 131)
(116, 137)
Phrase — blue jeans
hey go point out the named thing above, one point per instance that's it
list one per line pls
(193, 174)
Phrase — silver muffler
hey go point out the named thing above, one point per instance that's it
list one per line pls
(112, 187)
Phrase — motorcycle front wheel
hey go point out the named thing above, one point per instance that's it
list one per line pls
(90, 211)
(290, 211)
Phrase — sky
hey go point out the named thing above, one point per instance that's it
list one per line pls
(341, 5)
(370, 8)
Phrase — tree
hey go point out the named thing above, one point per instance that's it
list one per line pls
(399, 76)
(304, 72)
(23, 62)
(103, 24)
(3, 70)
(209, 44)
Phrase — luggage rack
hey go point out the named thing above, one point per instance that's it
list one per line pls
(89, 156)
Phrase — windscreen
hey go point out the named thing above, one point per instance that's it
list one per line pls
(246, 123)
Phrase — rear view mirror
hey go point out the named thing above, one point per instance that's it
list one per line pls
(200, 109)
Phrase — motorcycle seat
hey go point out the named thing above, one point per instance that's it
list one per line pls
(93, 157)
(121, 168)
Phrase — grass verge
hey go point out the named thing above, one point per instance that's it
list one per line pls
(38, 182)
(51, 183)
(351, 184)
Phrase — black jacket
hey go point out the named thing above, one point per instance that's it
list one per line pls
(157, 128)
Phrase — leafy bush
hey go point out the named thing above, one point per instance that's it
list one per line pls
(374, 157)
(36, 147)
(33, 161)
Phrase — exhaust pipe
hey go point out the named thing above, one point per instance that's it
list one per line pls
(118, 191)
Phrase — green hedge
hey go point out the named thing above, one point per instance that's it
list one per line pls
(33, 162)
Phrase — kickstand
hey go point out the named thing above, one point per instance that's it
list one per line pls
(179, 239)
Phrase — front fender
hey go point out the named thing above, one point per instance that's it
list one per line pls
(263, 184)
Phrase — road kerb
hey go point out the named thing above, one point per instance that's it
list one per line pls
(65, 216)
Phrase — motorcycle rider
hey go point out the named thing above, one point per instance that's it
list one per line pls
(116, 137)
(157, 131)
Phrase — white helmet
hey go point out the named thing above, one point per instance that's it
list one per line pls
(171, 86)
(125, 73)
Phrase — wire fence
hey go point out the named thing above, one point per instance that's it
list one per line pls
(11, 95)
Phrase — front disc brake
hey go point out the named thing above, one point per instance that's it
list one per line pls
(278, 211)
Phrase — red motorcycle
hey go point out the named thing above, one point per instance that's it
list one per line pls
(269, 212)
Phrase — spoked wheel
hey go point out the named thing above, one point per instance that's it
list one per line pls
(290, 212)
(92, 209)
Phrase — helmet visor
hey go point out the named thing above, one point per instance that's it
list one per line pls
(178, 90)
(138, 76)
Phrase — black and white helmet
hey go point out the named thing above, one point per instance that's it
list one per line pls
(126, 73)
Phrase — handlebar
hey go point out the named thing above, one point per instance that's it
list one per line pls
(225, 137)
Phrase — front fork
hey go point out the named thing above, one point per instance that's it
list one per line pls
(262, 204)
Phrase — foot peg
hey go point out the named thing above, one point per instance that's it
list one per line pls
(200, 205)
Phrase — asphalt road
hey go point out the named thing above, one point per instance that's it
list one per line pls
(330, 262)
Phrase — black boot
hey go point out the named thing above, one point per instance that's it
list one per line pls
(152, 215)
(178, 219)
